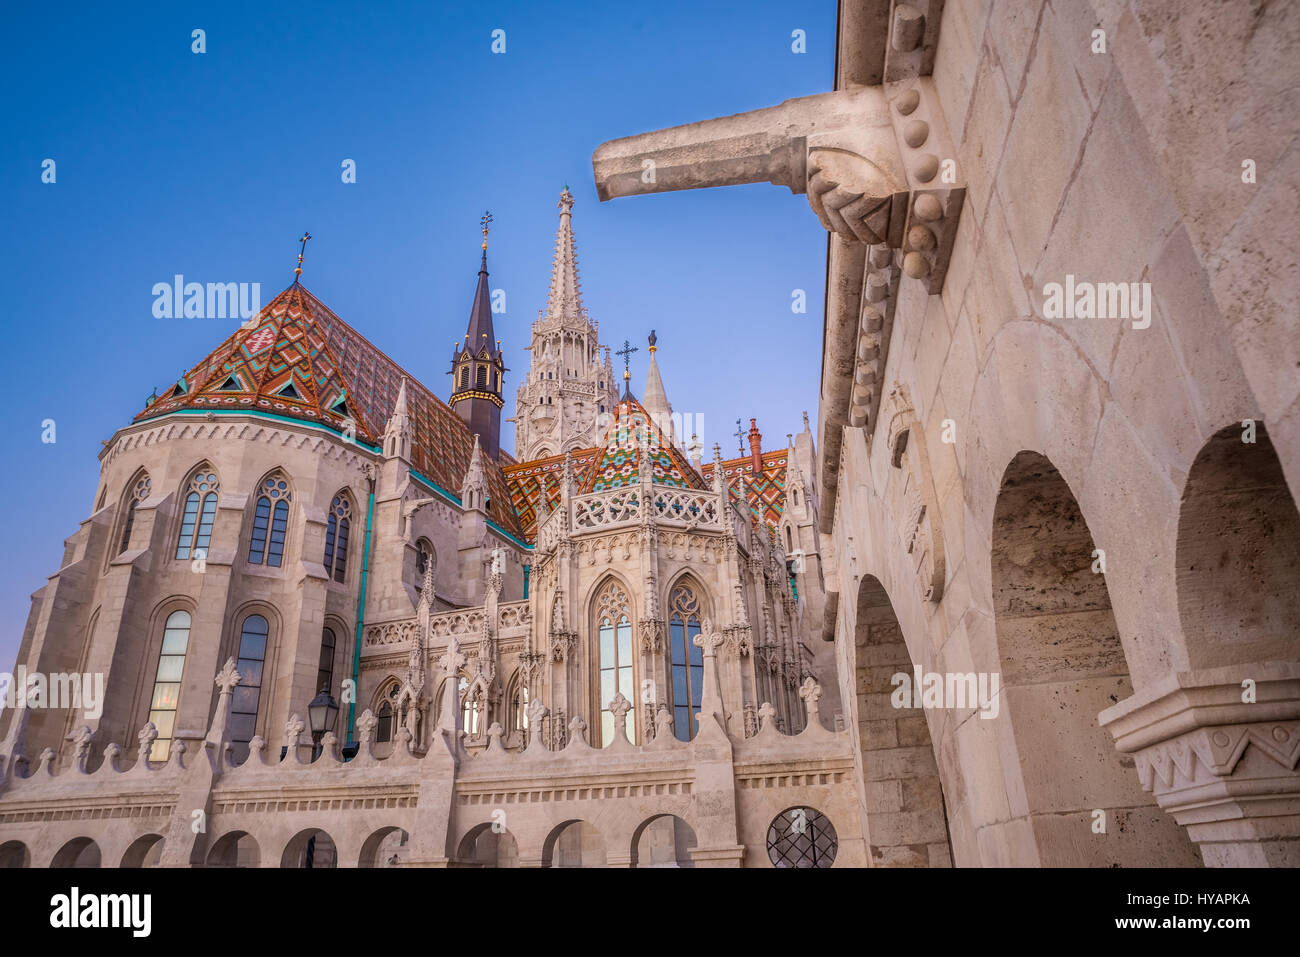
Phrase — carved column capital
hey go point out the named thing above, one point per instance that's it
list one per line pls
(1219, 749)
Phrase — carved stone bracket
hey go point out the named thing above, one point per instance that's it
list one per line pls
(1219, 749)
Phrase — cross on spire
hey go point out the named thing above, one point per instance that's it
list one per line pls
(740, 437)
(485, 223)
(301, 252)
(626, 353)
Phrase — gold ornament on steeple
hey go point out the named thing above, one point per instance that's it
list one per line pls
(486, 222)
(298, 269)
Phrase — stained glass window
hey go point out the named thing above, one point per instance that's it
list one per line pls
(167, 682)
(248, 693)
(270, 522)
(196, 520)
(687, 660)
(614, 647)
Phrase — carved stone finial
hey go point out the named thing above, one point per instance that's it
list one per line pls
(81, 746)
(293, 729)
(227, 677)
(663, 722)
(147, 736)
(537, 712)
(577, 728)
(366, 725)
(766, 716)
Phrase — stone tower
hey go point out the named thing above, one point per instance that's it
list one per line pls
(570, 385)
(477, 369)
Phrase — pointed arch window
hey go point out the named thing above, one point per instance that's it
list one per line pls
(197, 518)
(167, 682)
(270, 520)
(464, 377)
(789, 540)
(337, 531)
(687, 660)
(471, 705)
(423, 556)
(480, 377)
(325, 670)
(253, 638)
(387, 710)
(614, 646)
(139, 491)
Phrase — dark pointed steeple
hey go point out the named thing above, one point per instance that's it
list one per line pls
(477, 367)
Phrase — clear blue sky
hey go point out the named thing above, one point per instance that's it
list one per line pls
(212, 165)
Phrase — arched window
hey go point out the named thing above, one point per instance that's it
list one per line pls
(384, 729)
(794, 496)
(480, 377)
(464, 377)
(423, 556)
(471, 705)
(336, 538)
(789, 540)
(167, 682)
(325, 670)
(138, 492)
(614, 635)
(248, 693)
(270, 519)
(687, 660)
(200, 510)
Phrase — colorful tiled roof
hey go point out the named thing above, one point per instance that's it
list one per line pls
(765, 492)
(525, 480)
(299, 360)
(618, 463)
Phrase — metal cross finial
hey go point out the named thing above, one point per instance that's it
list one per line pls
(302, 251)
(626, 353)
(485, 221)
(740, 437)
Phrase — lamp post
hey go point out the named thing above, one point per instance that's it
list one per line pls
(322, 713)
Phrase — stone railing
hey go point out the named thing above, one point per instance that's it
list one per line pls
(626, 505)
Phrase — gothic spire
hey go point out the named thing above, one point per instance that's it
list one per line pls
(565, 298)
(477, 367)
(654, 399)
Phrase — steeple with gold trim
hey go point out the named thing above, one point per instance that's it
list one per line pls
(477, 365)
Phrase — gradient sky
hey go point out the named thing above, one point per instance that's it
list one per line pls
(212, 165)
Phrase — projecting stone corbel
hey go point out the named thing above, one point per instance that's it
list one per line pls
(876, 163)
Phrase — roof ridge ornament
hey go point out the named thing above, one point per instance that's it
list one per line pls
(302, 251)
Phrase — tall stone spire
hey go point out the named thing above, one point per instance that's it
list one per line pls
(473, 491)
(565, 298)
(477, 366)
(654, 399)
(564, 400)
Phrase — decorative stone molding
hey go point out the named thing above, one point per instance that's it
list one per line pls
(910, 495)
(1219, 749)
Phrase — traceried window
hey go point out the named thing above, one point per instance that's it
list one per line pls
(687, 660)
(270, 520)
(253, 637)
(325, 671)
(167, 682)
(337, 530)
(196, 519)
(139, 492)
(387, 709)
(614, 644)
(471, 705)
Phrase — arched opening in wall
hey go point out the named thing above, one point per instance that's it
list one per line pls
(387, 847)
(312, 848)
(1239, 553)
(78, 852)
(663, 841)
(907, 822)
(574, 844)
(236, 849)
(144, 852)
(15, 854)
(489, 845)
(1062, 664)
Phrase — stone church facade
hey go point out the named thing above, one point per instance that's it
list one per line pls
(608, 650)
